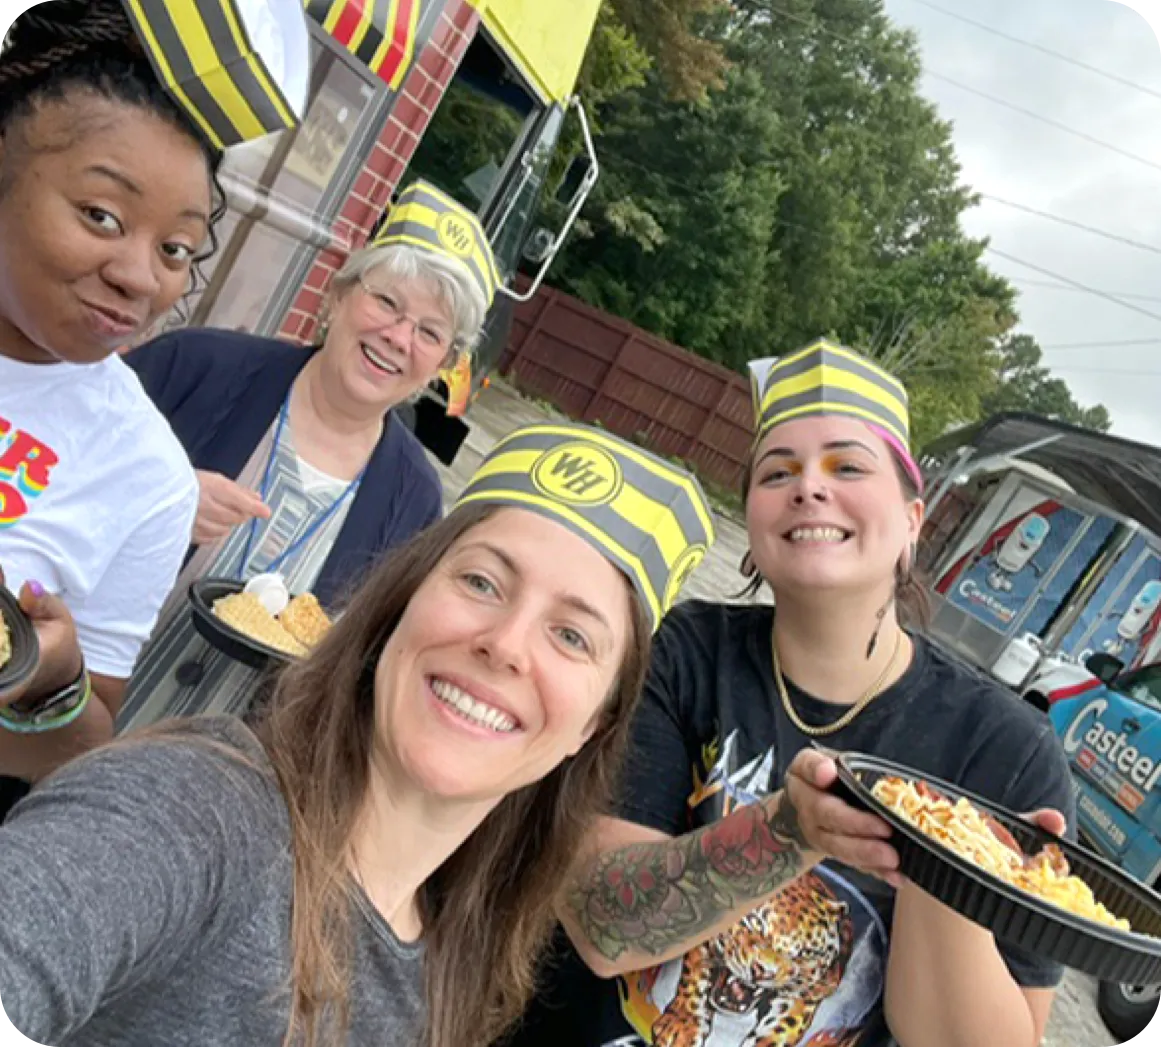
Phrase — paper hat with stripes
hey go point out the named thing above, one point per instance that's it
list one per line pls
(648, 517)
(428, 218)
(238, 68)
(829, 379)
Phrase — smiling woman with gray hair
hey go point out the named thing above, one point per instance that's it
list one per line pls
(304, 470)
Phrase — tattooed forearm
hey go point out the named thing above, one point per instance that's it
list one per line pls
(649, 898)
(784, 822)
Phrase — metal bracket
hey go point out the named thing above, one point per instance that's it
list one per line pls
(578, 201)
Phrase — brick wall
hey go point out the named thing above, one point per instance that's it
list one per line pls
(417, 100)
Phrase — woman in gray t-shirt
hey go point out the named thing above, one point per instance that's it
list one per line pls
(379, 861)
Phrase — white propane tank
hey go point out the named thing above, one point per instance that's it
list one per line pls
(1017, 661)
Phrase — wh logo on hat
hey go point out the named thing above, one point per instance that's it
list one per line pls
(579, 474)
(455, 235)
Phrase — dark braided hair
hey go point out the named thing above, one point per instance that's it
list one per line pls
(65, 45)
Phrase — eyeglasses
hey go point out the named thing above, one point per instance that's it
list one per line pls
(389, 310)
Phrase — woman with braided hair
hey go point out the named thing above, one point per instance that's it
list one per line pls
(107, 204)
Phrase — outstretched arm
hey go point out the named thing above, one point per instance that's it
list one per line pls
(643, 898)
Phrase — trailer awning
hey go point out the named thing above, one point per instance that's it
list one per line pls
(545, 39)
(1121, 474)
(380, 33)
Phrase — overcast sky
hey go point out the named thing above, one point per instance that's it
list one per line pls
(1023, 160)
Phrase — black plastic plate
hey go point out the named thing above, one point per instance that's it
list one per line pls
(25, 646)
(225, 638)
(1009, 913)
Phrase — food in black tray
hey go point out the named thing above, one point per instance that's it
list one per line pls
(972, 834)
(237, 623)
(19, 649)
(5, 643)
(1027, 886)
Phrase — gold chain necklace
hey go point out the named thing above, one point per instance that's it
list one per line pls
(848, 717)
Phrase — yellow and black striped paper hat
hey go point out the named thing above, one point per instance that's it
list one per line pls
(427, 218)
(238, 68)
(647, 517)
(829, 379)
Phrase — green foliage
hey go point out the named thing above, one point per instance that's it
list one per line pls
(771, 173)
(614, 63)
(1025, 384)
(812, 191)
(665, 247)
(688, 63)
(464, 148)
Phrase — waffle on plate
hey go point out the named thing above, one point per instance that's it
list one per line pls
(245, 613)
(305, 620)
(295, 631)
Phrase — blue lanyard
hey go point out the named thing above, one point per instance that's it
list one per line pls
(315, 524)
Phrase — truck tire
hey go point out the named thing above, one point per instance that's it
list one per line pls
(1127, 1009)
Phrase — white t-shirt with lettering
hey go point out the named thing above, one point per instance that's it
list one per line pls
(97, 500)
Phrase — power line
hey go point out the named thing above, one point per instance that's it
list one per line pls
(1102, 345)
(1075, 283)
(1083, 135)
(1060, 219)
(1031, 114)
(1077, 290)
(1105, 370)
(1040, 47)
(1116, 237)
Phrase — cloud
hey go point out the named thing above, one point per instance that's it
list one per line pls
(1009, 155)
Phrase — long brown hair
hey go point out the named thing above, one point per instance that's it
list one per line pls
(489, 909)
(911, 593)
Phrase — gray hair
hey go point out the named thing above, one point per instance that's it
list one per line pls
(457, 291)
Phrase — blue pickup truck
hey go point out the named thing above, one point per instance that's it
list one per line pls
(1109, 722)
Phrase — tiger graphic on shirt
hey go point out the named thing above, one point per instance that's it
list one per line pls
(804, 969)
(775, 966)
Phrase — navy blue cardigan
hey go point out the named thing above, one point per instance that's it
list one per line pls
(221, 391)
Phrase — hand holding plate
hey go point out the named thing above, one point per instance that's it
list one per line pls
(60, 661)
(828, 825)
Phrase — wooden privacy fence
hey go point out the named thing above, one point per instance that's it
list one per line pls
(599, 368)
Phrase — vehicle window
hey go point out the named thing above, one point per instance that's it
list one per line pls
(1142, 686)
(477, 128)
(515, 213)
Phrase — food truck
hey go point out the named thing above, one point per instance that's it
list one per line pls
(1038, 571)
(393, 85)
(1042, 546)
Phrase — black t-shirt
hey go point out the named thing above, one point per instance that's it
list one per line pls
(711, 735)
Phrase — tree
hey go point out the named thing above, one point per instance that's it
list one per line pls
(814, 192)
(682, 218)
(869, 234)
(688, 63)
(1023, 383)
